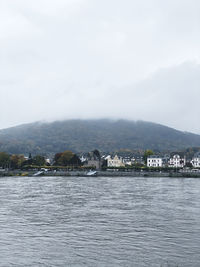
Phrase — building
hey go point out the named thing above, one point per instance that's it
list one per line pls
(94, 160)
(196, 160)
(48, 161)
(165, 160)
(139, 160)
(154, 161)
(115, 161)
(83, 159)
(128, 161)
(177, 160)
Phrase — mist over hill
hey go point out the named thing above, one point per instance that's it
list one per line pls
(87, 135)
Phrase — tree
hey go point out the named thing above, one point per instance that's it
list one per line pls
(75, 160)
(27, 162)
(4, 160)
(56, 157)
(147, 153)
(16, 161)
(39, 160)
(66, 158)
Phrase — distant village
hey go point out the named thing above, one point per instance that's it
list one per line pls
(174, 160)
(95, 160)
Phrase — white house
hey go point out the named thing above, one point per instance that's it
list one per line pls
(177, 160)
(128, 160)
(48, 161)
(154, 161)
(115, 161)
(196, 160)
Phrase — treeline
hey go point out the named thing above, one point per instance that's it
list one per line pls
(66, 158)
(17, 161)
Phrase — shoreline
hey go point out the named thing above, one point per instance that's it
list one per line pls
(101, 174)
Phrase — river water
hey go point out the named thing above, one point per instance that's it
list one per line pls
(63, 221)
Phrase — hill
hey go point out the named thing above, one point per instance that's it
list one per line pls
(86, 135)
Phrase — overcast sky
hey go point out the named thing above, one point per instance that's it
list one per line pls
(134, 59)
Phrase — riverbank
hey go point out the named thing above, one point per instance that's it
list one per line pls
(101, 174)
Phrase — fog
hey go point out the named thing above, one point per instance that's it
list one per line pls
(132, 59)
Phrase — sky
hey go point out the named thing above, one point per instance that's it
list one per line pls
(130, 59)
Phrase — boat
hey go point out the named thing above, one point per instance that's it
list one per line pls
(92, 173)
(38, 173)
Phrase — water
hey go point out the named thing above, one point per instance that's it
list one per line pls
(61, 221)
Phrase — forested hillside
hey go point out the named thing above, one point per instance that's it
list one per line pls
(86, 135)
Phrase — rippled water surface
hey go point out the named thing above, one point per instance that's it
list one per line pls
(60, 221)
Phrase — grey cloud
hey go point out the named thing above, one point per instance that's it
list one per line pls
(84, 59)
